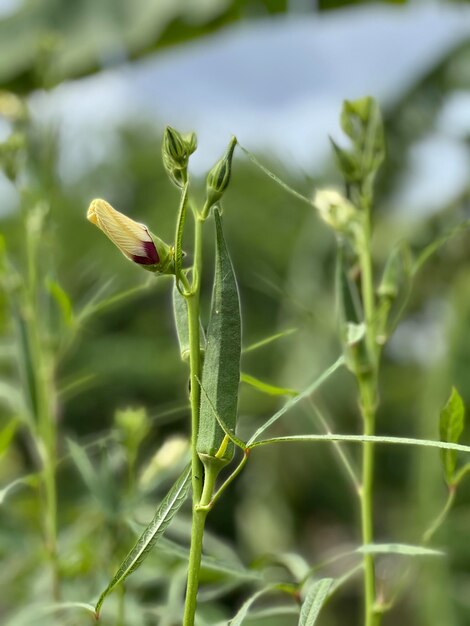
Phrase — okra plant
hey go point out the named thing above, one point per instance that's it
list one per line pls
(370, 302)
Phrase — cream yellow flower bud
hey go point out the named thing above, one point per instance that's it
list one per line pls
(132, 238)
(335, 209)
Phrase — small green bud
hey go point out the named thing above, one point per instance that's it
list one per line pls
(134, 425)
(12, 107)
(172, 452)
(219, 176)
(336, 210)
(176, 150)
(393, 290)
(11, 152)
(397, 268)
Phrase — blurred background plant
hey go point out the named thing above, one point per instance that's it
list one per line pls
(93, 408)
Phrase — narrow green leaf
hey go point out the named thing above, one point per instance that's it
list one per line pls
(243, 611)
(434, 246)
(270, 390)
(347, 162)
(86, 470)
(11, 397)
(293, 401)
(461, 473)
(351, 326)
(398, 548)
(271, 613)
(179, 233)
(76, 385)
(223, 425)
(31, 480)
(407, 441)
(221, 370)
(26, 367)
(394, 290)
(314, 601)
(180, 314)
(34, 613)
(451, 424)
(6, 435)
(99, 303)
(211, 564)
(268, 340)
(273, 176)
(168, 508)
(62, 299)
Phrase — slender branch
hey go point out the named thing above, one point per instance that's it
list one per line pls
(199, 516)
(230, 479)
(342, 454)
(43, 390)
(367, 383)
(440, 519)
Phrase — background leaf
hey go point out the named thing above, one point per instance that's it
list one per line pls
(314, 601)
(170, 505)
(451, 424)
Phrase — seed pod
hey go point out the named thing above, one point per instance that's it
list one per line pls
(180, 313)
(221, 371)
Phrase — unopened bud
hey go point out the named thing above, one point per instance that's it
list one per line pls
(176, 150)
(133, 239)
(11, 152)
(134, 425)
(172, 452)
(397, 270)
(335, 210)
(12, 107)
(219, 176)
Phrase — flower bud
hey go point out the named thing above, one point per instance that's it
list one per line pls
(219, 176)
(134, 424)
(172, 452)
(12, 107)
(335, 210)
(11, 152)
(132, 238)
(176, 150)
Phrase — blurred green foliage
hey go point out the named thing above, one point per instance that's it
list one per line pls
(126, 355)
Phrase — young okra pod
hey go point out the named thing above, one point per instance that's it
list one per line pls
(221, 370)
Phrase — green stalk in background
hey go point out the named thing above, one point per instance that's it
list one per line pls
(350, 217)
(43, 393)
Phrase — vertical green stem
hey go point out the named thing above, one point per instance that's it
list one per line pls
(44, 413)
(197, 534)
(368, 402)
(366, 494)
(199, 516)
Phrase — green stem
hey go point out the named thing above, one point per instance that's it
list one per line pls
(440, 519)
(199, 516)
(200, 512)
(366, 390)
(342, 454)
(368, 402)
(44, 392)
